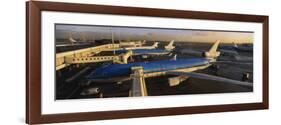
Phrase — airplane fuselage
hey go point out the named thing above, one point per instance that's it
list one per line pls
(141, 47)
(236, 48)
(145, 52)
(131, 44)
(122, 72)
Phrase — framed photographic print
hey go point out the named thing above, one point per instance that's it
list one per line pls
(93, 62)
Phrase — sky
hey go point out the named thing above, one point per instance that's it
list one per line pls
(150, 34)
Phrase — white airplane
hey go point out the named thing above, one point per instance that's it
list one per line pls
(155, 45)
(73, 42)
(131, 43)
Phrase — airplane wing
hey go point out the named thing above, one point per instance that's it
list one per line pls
(210, 77)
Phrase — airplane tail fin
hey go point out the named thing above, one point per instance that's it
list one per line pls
(72, 40)
(234, 44)
(155, 44)
(174, 57)
(213, 53)
(170, 46)
(144, 42)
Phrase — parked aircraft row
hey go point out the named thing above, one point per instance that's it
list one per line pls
(181, 68)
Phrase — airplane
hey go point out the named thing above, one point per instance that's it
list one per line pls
(149, 51)
(131, 43)
(182, 68)
(72, 42)
(235, 49)
(155, 45)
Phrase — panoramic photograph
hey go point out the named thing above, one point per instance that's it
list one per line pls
(94, 61)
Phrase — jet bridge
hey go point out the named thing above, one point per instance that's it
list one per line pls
(87, 55)
(138, 86)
